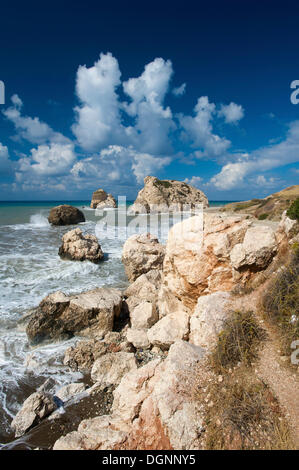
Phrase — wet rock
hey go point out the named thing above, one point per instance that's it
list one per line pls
(65, 215)
(142, 253)
(70, 390)
(80, 247)
(38, 406)
(90, 313)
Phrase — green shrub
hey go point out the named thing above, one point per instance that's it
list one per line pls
(263, 216)
(293, 210)
(165, 184)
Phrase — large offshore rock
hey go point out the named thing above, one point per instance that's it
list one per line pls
(142, 253)
(80, 247)
(61, 316)
(164, 195)
(101, 200)
(65, 215)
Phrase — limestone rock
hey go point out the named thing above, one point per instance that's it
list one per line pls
(257, 249)
(101, 200)
(80, 247)
(69, 391)
(138, 337)
(60, 316)
(146, 286)
(36, 407)
(142, 253)
(164, 195)
(207, 320)
(153, 408)
(213, 253)
(65, 215)
(144, 316)
(82, 356)
(287, 228)
(169, 329)
(109, 369)
(93, 434)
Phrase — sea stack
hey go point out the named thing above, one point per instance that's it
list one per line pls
(101, 200)
(164, 195)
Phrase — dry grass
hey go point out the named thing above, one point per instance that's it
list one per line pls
(240, 410)
(280, 302)
(243, 414)
(238, 342)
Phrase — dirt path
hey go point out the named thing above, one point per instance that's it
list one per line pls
(272, 369)
(282, 381)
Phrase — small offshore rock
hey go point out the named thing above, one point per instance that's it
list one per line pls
(65, 215)
(80, 247)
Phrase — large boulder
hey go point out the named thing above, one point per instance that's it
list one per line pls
(109, 369)
(138, 337)
(257, 249)
(164, 195)
(208, 318)
(142, 253)
(214, 252)
(144, 315)
(155, 407)
(169, 329)
(65, 215)
(37, 406)
(62, 316)
(80, 247)
(102, 200)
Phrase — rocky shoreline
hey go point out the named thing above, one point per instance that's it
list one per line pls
(139, 346)
(140, 349)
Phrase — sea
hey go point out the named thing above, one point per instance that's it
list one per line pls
(30, 269)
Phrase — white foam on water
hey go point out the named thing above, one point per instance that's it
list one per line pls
(39, 220)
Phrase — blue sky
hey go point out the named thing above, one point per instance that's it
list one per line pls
(101, 95)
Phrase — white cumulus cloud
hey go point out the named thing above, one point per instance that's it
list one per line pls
(31, 129)
(232, 112)
(234, 174)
